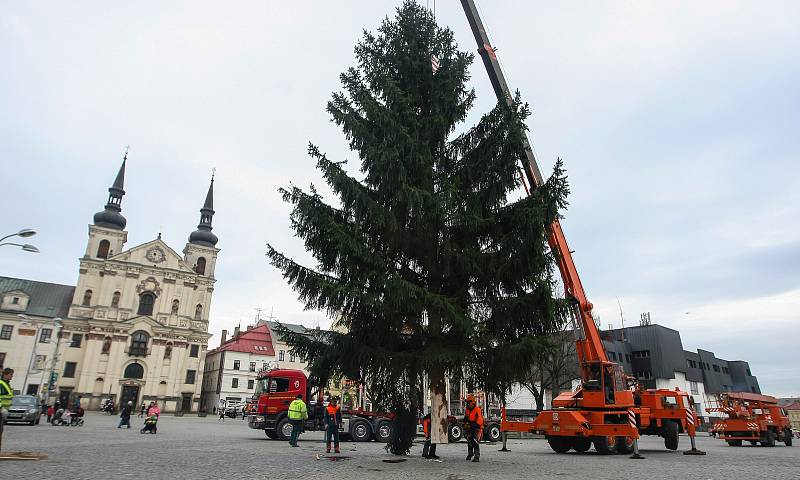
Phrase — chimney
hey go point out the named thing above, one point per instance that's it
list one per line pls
(224, 337)
(235, 332)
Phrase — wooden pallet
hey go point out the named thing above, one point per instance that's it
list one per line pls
(22, 456)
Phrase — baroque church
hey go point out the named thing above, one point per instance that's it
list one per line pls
(141, 314)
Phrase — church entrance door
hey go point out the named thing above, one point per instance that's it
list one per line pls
(130, 393)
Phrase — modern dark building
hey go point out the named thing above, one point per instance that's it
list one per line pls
(654, 354)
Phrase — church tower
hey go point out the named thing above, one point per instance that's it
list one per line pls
(201, 251)
(107, 235)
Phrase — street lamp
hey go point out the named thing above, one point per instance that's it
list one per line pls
(51, 385)
(24, 233)
(36, 323)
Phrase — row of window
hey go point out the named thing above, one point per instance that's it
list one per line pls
(103, 251)
(146, 302)
(250, 383)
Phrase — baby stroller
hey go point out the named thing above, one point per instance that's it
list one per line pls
(150, 425)
(76, 418)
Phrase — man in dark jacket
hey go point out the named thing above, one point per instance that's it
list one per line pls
(125, 415)
(333, 418)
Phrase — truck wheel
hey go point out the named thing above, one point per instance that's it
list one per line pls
(284, 429)
(360, 431)
(734, 443)
(560, 444)
(605, 445)
(454, 433)
(625, 445)
(582, 444)
(768, 440)
(271, 434)
(787, 437)
(670, 433)
(493, 433)
(383, 431)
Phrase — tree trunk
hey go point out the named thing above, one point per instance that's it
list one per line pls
(438, 407)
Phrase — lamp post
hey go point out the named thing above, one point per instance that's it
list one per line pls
(24, 233)
(51, 384)
(38, 325)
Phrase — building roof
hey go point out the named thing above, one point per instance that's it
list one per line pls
(46, 299)
(793, 406)
(257, 341)
(291, 326)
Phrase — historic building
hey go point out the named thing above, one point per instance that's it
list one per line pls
(137, 325)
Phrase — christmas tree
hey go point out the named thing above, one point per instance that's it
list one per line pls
(431, 263)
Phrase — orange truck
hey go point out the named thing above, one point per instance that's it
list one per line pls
(604, 411)
(752, 417)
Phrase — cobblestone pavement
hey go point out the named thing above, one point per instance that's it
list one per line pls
(192, 447)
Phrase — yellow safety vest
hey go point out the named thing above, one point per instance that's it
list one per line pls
(6, 394)
(297, 410)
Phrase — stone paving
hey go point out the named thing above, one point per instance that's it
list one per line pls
(192, 447)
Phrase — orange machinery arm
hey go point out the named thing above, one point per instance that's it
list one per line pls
(589, 345)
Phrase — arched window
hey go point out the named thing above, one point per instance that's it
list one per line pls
(87, 298)
(134, 370)
(201, 266)
(106, 346)
(198, 312)
(102, 249)
(175, 305)
(115, 300)
(168, 350)
(146, 302)
(139, 343)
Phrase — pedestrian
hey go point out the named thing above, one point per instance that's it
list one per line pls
(297, 414)
(143, 409)
(6, 394)
(221, 414)
(333, 419)
(50, 411)
(473, 425)
(77, 404)
(428, 448)
(125, 415)
(153, 410)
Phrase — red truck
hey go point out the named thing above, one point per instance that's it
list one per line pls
(275, 390)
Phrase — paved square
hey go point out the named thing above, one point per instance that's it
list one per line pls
(192, 447)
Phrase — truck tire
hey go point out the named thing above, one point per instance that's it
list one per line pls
(559, 444)
(360, 431)
(454, 433)
(493, 433)
(383, 431)
(768, 439)
(582, 444)
(787, 437)
(625, 445)
(605, 445)
(670, 433)
(271, 434)
(283, 430)
(734, 443)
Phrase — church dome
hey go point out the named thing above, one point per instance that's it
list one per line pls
(110, 219)
(203, 235)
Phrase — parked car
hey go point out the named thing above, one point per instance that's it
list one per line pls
(24, 409)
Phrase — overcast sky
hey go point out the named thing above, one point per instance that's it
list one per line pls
(677, 121)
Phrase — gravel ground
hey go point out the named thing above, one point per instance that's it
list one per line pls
(192, 447)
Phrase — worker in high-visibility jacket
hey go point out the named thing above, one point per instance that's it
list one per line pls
(473, 427)
(6, 394)
(298, 413)
(428, 448)
(333, 419)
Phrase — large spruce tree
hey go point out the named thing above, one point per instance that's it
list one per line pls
(430, 261)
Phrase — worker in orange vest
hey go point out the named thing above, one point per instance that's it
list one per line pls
(473, 426)
(428, 448)
(333, 418)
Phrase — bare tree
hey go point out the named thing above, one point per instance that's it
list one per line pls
(554, 368)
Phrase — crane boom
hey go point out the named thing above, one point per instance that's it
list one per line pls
(590, 346)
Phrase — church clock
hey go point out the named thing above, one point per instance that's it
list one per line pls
(156, 255)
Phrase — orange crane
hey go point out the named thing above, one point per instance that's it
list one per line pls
(604, 411)
(752, 417)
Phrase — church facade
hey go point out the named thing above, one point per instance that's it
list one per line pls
(140, 314)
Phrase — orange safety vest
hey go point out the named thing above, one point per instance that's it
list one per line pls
(333, 412)
(426, 426)
(474, 415)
